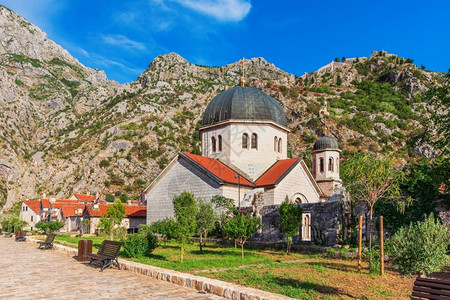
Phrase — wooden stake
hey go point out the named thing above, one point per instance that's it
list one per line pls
(360, 242)
(381, 247)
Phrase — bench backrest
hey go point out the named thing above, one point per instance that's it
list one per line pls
(430, 288)
(50, 238)
(110, 248)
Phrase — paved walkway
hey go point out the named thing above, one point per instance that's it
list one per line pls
(29, 273)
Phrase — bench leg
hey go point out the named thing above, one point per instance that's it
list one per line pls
(106, 263)
(116, 263)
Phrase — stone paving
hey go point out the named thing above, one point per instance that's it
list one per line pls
(29, 273)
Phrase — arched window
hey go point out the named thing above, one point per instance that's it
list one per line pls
(306, 227)
(275, 144)
(220, 143)
(245, 141)
(321, 164)
(213, 144)
(331, 164)
(279, 145)
(254, 141)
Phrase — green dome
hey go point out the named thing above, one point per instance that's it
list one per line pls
(325, 142)
(243, 103)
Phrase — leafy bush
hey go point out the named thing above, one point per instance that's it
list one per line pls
(109, 197)
(120, 232)
(48, 227)
(421, 248)
(139, 245)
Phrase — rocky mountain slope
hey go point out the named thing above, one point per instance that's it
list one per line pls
(65, 127)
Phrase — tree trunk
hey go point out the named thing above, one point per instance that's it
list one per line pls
(111, 234)
(181, 253)
(370, 234)
(288, 245)
(242, 250)
(201, 234)
(206, 234)
(235, 243)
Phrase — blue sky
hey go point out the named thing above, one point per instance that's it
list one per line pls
(123, 37)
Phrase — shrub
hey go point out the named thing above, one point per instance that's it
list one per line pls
(120, 232)
(139, 245)
(109, 197)
(48, 227)
(420, 248)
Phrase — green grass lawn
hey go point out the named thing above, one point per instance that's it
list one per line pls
(297, 275)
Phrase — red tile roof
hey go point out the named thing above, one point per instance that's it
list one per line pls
(275, 173)
(136, 211)
(45, 203)
(96, 212)
(70, 210)
(61, 202)
(272, 176)
(35, 205)
(85, 198)
(130, 210)
(218, 169)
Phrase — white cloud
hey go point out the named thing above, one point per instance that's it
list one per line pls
(225, 10)
(122, 41)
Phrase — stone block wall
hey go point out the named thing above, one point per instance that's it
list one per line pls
(326, 221)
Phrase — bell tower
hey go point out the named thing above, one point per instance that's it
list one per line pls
(325, 164)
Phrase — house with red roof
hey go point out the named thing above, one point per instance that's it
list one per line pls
(72, 216)
(244, 157)
(30, 212)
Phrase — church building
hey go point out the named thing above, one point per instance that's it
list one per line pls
(244, 154)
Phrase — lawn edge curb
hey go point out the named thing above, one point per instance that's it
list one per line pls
(201, 284)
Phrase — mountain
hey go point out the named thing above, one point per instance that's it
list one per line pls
(65, 127)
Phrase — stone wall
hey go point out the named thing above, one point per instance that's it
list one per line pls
(326, 221)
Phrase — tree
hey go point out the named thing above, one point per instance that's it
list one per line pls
(291, 217)
(343, 59)
(185, 212)
(13, 223)
(369, 178)
(205, 219)
(51, 226)
(336, 59)
(241, 227)
(114, 216)
(338, 80)
(421, 248)
(224, 206)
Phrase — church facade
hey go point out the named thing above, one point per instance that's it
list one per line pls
(244, 155)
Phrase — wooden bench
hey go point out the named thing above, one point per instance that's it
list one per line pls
(20, 236)
(48, 243)
(107, 254)
(429, 288)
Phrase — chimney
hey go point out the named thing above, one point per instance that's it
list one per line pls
(88, 192)
(44, 196)
(52, 200)
(128, 202)
(95, 207)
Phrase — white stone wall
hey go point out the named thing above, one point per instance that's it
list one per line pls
(231, 191)
(181, 177)
(26, 214)
(295, 184)
(252, 161)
